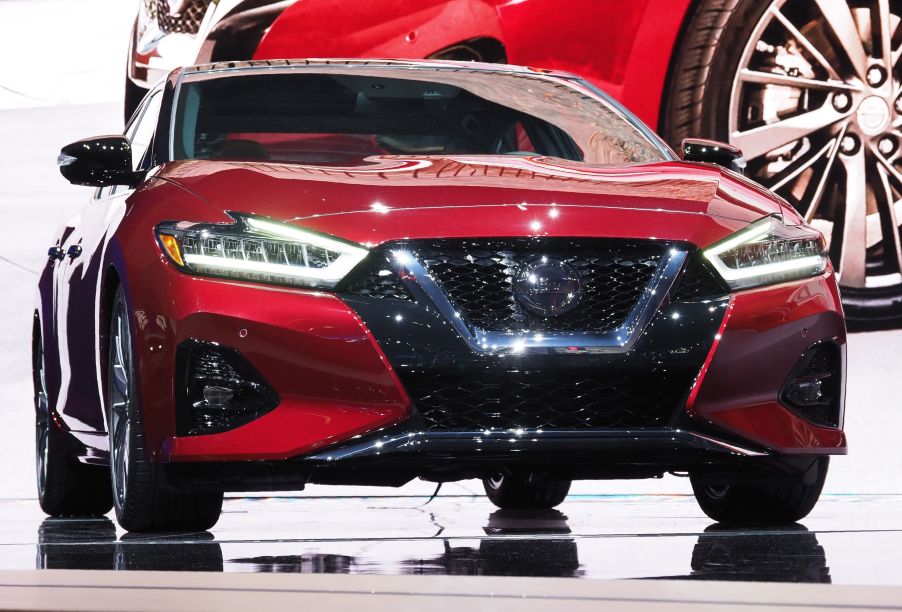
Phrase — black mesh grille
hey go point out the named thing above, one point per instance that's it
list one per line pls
(697, 283)
(562, 400)
(478, 278)
(187, 22)
(375, 278)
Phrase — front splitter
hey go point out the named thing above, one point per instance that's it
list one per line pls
(395, 458)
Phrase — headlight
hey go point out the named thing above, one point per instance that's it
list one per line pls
(768, 252)
(258, 249)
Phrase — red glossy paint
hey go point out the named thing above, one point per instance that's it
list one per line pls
(763, 335)
(625, 48)
(668, 200)
(332, 378)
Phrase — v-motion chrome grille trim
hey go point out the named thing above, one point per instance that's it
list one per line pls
(619, 340)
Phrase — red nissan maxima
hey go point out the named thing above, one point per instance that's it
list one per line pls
(370, 271)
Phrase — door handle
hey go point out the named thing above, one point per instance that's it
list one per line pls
(55, 253)
(74, 251)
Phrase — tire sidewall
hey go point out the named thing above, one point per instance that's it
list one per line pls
(714, 112)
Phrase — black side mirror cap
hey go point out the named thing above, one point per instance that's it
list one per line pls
(98, 162)
(713, 152)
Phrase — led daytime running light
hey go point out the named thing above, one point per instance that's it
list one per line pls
(794, 244)
(260, 250)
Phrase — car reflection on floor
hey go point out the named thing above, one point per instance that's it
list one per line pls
(513, 549)
(789, 554)
(92, 544)
(515, 544)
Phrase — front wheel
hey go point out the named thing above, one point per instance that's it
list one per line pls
(142, 497)
(66, 487)
(525, 493)
(783, 501)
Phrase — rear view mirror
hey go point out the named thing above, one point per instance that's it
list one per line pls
(713, 152)
(97, 162)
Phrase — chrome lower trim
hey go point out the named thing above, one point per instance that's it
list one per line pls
(523, 441)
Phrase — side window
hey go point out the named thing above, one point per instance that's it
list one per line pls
(141, 131)
(140, 134)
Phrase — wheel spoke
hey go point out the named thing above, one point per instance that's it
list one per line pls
(838, 16)
(805, 42)
(123, 463)
(799, 165)
(120, 359)
(119, 430)
(853, 251)
(891, 170)
(825, 176)
(748, 75)
(886, 35)
(120, 408)
(887, 204)
(120, 381)
(760, 140)
(890, 175)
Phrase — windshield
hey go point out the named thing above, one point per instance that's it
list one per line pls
(338, 115)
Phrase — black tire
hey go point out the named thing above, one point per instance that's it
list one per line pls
(708, 53)
(782, 502)
(524, 493)
(66, 487)
(696, 103)
(143, 499)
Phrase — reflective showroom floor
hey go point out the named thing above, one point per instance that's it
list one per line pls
(847, 540)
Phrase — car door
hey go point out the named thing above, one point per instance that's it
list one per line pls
(80, 273)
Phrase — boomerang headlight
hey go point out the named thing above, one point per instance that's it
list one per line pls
(767, 252)
(261, 250)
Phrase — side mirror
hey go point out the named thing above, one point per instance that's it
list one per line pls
(713, 152)
(97, 162)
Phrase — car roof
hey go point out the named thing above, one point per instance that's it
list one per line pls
(251, 65)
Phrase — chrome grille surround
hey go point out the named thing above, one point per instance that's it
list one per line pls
(615, 337)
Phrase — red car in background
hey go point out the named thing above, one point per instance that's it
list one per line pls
(808, 89)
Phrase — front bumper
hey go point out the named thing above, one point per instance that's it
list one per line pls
(393, 458)
(340, 388)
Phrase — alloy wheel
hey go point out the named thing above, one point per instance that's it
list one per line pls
(42, 420)
(120, 403)
(816, 107)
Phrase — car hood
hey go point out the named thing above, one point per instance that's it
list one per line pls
(391, 197)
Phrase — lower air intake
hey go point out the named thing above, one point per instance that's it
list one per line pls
(531, 400)
(220, 390)
(814, 389)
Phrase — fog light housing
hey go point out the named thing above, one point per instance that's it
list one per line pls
(814, 388)
(219, 389)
